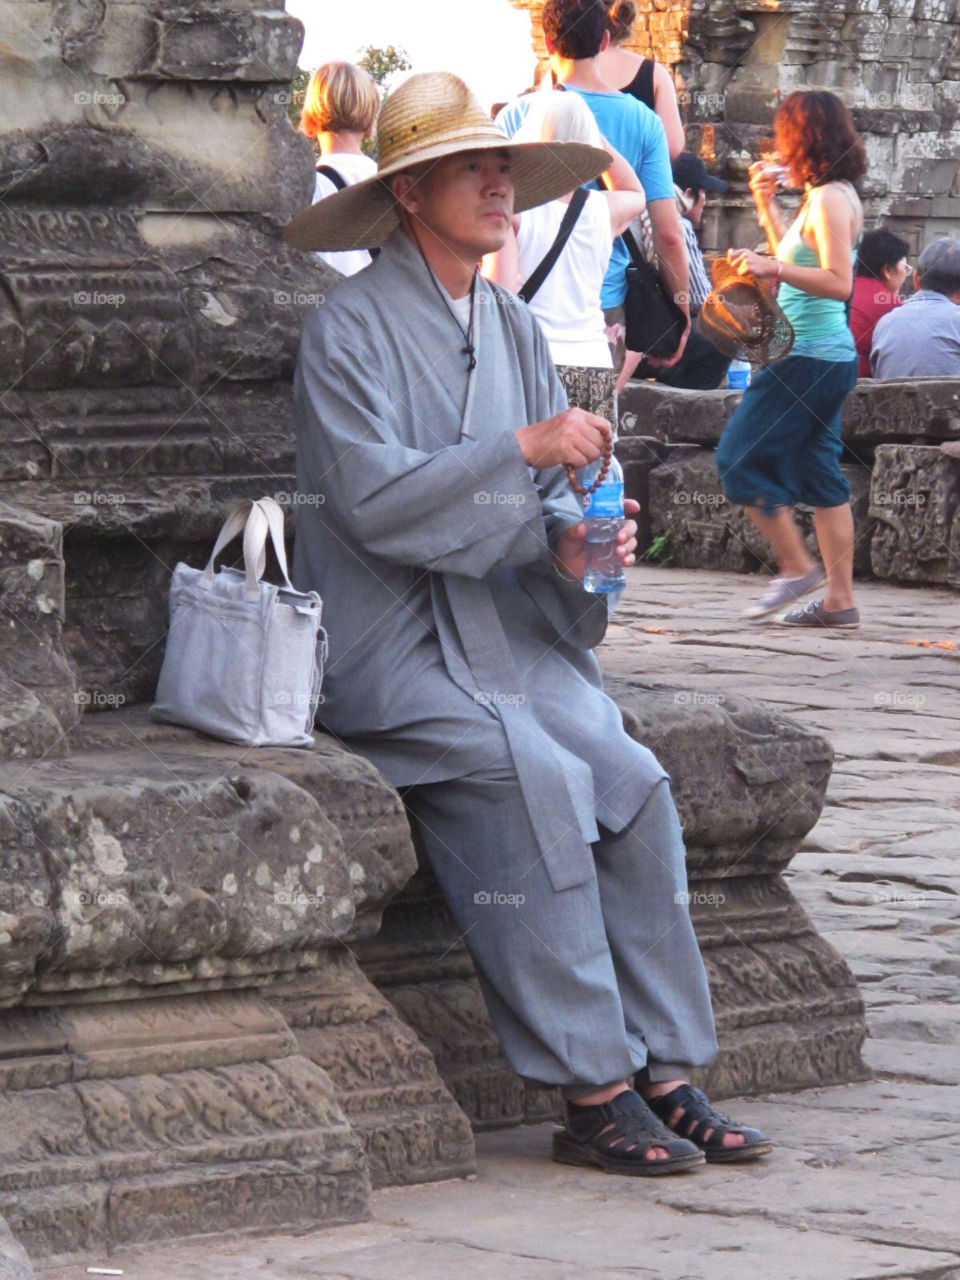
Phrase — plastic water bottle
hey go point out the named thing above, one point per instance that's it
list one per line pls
(603, 516)
(738, 375)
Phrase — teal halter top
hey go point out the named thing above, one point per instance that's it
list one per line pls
(819, 324)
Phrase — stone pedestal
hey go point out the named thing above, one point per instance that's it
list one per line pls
(136, 1120)
(188, 1044)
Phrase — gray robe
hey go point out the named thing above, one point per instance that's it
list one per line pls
(454, 643)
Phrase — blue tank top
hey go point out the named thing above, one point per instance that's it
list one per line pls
(819, 324)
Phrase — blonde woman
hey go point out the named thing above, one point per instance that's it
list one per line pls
(643, 78)
(340, 110)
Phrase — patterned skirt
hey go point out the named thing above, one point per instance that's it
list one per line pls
(594, 390)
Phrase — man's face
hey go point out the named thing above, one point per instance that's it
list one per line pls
(466, 201)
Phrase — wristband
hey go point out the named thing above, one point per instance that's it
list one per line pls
(779, 269)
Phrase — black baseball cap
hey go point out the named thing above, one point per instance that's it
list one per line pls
(690, 173)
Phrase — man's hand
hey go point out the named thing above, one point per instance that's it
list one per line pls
(670, 361)
(573, 437)
(569, 550)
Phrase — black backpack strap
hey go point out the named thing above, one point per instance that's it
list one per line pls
(331, 174)
(328, 171)
(546, 265)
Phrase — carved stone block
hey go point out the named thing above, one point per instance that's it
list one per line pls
(386, 1079)
(675, 415)
(914, 498)
(906, 411)
(142, 1119)
(38, 703)
(705, 529)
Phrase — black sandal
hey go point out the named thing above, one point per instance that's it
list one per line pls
(699, 1118)
(617, 1135)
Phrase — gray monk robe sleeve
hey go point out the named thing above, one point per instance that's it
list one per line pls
(463, 508)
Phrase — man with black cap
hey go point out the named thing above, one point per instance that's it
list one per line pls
(702, 367)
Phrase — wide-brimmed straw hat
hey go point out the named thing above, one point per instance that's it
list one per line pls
(742, 318)
(430, 116)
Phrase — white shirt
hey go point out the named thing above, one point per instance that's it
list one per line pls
(353, 167)
(567, 304)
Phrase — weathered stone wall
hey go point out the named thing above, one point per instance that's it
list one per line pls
(149, 312)
(905, 492)
(896, 63)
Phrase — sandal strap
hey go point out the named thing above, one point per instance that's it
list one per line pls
(695, 1106)
(626, 1117)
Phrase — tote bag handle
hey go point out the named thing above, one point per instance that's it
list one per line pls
(256, 521)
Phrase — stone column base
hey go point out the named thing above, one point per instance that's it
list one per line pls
(136, 1120)
(386, 1080)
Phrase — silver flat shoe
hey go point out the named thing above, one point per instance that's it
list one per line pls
(784, 591)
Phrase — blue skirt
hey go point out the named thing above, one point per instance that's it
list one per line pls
(782, 444)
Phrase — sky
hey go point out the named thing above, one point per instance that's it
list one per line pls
(485, 42)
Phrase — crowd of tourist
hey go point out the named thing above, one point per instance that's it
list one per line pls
(838, 285)
(588, 54)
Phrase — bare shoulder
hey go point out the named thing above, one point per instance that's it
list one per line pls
(839, 196)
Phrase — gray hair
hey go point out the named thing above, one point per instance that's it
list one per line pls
(939, 266)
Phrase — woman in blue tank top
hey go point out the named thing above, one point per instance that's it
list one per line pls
(782, 444)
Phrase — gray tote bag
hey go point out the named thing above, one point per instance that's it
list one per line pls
(244, 658)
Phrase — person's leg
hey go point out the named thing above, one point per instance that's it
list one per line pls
(545, 970)
(542, 956)
(834, 526)
(779, 530)
(641, 873)
(642, 879)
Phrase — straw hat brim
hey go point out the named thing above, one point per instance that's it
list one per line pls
(363, 215)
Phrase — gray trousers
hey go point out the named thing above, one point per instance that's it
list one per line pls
(588, 985)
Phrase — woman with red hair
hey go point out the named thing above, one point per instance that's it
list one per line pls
(782, 444)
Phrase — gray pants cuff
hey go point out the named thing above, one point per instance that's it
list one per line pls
(659, 1072)
(573, 1092)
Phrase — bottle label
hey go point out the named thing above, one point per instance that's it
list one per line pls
(606, 502)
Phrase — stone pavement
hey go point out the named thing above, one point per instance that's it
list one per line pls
(864, 1181)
